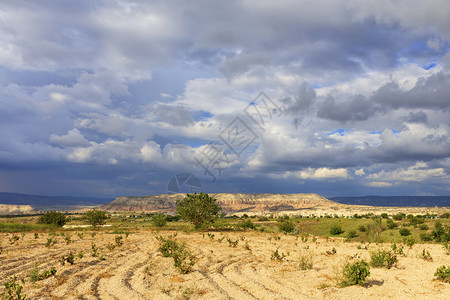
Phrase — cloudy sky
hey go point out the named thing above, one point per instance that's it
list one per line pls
(109, 98)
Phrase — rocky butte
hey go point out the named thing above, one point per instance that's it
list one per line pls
(230, 203)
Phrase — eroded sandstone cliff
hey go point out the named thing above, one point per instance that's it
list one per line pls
(228, 202)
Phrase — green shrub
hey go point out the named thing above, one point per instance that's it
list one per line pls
(446, 247)
(391, 224)
(404, 232)
(362, 228)
(277, 256)
(426, 237)
(397, 250)
(423, 227)
(159, 220)
(53, 218)
(182, 258)
(246, 224)
(13, 290)
(443, 274)
(352, 234)
(50, 242)
(399, 216)
(336, 229)
(382, 258)
(306, 261)
(409, 241)
(354, 273)
(35, 276)
(232, 243)
(286, 226)
(441, 233)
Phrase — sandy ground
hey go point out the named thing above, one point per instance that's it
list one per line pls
(137, 270)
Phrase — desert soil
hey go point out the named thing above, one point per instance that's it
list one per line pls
(137, 270)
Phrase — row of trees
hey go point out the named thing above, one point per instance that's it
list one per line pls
(199, 209)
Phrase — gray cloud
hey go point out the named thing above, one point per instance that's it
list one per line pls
(357, 109)
(432, 92)
(417, 117)
(303, 99)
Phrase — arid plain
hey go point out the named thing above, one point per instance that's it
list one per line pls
(229, 263)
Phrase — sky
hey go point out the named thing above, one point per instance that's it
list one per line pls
(117, 98)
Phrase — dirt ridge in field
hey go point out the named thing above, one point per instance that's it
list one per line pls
(137, 270)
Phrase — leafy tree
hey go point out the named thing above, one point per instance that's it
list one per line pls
(198, 209)
(96, 217)
(53, 218)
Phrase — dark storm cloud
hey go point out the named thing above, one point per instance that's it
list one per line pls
(432, 92)
(417, 117)
(357, 109)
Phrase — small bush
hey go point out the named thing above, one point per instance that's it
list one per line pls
(232, 243)
(409, 242)
(399, 216)
(426, 255)
(13, 290)
(352, 234)
(94, 250)
(246, 224)
(35, 276)
(423, 227)
(183, 260)
(277, 256)
(286, 226)
(362, 228)
(382, 258)
(446, 247)
(404, 232)
(354, 273)
(397, 250)
(443, 274)
(440, 233)
(306, 261)
(391, 224)
(50, 242)
(426, 237)
(336, 229)
(159, 220)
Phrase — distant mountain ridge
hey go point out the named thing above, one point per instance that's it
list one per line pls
(396, 201)
(40, 203)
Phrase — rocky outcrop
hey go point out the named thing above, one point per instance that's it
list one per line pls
(229, 203)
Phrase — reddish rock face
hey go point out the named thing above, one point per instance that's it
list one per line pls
(229, 202)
